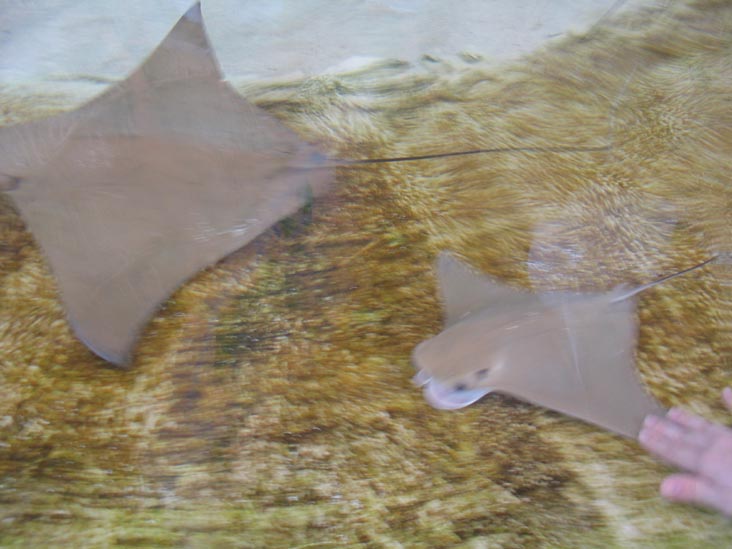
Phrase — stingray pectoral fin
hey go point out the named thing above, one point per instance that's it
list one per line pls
(587, 369)
(447, 398)
(465, 291)
(604, 348)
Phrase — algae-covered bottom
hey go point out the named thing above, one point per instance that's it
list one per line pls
(270, 403)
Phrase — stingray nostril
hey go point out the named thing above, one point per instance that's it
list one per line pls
(461, 387)
(480, 374)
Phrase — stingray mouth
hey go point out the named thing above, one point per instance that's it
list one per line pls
(445, 397)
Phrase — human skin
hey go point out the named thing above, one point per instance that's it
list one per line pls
(701, 448)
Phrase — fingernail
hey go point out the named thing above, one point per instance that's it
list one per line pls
(670, 488)
(727, 393)
(675, 413)
(648, 423)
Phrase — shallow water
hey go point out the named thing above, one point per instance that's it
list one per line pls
(269, 403)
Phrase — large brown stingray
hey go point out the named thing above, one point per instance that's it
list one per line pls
(162, 175)
(573, 353)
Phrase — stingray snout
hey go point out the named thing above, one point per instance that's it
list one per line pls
(421, 378)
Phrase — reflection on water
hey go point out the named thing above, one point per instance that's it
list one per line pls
(270, 404)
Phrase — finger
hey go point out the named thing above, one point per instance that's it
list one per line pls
(727, 397)
(716, 464)
(699, 433)
(698, 490)
(673, 442)
(689, 420)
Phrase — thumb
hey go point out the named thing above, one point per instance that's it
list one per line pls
(727, 397)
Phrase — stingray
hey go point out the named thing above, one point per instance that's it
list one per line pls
(162, 175)
(569, 352)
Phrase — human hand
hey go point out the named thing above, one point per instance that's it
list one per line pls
(702, 448)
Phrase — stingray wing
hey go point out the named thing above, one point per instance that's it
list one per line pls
(585, 367)
(465, 292)
(162, 175)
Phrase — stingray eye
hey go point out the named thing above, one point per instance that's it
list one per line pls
(480, 374)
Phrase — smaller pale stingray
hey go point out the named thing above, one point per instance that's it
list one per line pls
(572, 353)
(157, 178)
